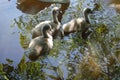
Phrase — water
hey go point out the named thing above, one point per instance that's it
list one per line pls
(10, 43)
(9, 37)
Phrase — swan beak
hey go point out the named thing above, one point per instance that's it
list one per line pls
(62, 32)
(51, 31)
(60, 12)
(91, 11)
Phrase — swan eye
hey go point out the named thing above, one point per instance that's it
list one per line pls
(90, 11)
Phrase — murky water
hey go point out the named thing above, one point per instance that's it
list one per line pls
(10, 42)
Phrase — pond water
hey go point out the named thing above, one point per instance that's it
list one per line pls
(12, 35)
(10, 43)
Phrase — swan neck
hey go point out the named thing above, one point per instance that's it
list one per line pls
(46, 34)
(86, 17)
(55, 18)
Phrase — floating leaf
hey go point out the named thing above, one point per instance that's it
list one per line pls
(102, 29)
(24, 41)
(1, 70)
(5, 77)
(1, 67)
(9, 61)
(51, 76)
(8, 68)
(117, 31)
(22, 65)
(18, 24)
(60, 72)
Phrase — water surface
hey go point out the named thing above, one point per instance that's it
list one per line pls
(66, 56)
(9, 42)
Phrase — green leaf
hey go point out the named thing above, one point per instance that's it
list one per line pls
(1, 67)
(9, 61)
(102, 29)
(22, 65)
(60, 72)
(5, 77)
(51, 76)
(24, 41)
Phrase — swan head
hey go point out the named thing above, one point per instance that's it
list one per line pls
(87, 11)
(56, 10)
(47, 29)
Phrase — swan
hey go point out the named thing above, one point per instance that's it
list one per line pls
(55, 24)
(78, 24)
(41, 45)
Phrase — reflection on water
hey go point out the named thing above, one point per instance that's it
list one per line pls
(34, 6)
